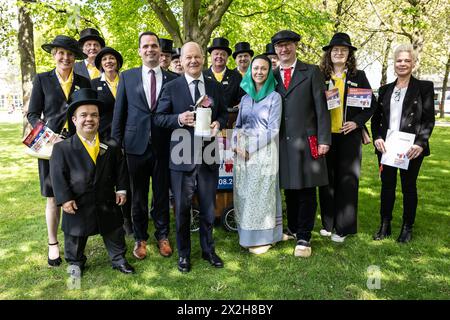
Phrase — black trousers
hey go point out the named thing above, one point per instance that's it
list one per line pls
(141, 168)
(339, 199)
(409, 190)
(202, 179)
(114, 242)
(301, 206)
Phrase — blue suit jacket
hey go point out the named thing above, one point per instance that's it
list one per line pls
(175, 99)
(132, 119)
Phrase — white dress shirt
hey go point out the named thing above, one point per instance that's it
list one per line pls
(146, 82)
(201, 85)
(395, 114)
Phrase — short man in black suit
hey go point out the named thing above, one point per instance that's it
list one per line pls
(146, 146)
(195, 168)
(90, 178)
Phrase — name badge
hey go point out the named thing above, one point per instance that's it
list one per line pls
(333, 99)
(225, 83)
(359, 98)
(99, 88)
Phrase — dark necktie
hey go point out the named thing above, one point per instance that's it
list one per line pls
(196, 91)
(152, 90)
(287, 77)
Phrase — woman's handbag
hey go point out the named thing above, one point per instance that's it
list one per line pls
(40, 141)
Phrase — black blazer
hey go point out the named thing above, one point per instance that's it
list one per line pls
(92, 186)
(48, 99)
(358, 115)
(175, 99)
(106, 96)
(81, 69)
(132, 119)
(417, 112)
(231, 83)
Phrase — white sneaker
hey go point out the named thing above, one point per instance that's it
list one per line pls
(337, 238)
(325, 233)
(259, 249)
(302, 251)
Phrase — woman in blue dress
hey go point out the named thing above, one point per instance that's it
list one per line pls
(257, 200)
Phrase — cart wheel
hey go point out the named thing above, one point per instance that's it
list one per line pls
(228, 219)
(195, 219)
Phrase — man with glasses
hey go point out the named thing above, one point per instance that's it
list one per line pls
(305, 137)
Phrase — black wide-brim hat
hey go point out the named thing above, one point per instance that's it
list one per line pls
(340, 39)
(222, 44)
(108, 50)
(90, 34)
(176, 53)
(242, 47)
(285, 35)
(67, 43)
(166, 45)
(270, 50)
(82, 97)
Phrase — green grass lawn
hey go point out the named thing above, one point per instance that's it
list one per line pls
(418, 270)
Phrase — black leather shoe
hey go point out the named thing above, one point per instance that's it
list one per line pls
(213, 259)
(405, 235)
(125, 268)
(184, 264)
(54, 262)
(385, 231)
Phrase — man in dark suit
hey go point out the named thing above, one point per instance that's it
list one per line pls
(230, 79)
(193, 163)
(305, 136)
(165, 58)
(243, 56)
(146, 146)
(90, 178)
(91, 43)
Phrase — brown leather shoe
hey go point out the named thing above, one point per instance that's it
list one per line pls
(140, 249)
(164, 248)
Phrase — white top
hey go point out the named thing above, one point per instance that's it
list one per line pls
(291, 67)
(201, 85)
(146, 82)
(397, 97)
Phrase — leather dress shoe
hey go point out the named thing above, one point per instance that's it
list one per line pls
(384, 231)
(184, 264)
(54, 262)
(405, 235)
(140, 249)
(213, 259)
(125, 268)
(164, 247)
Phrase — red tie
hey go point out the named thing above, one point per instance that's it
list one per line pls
(152, 90)
(287, 77)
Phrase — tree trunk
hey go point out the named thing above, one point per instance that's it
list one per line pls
(27, 59)
(384, 66)
(444, 88)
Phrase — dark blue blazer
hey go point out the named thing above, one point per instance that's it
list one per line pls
(176, 99)
(132, 119)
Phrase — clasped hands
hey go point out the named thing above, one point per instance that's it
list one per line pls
(71, 206)
(412, 153)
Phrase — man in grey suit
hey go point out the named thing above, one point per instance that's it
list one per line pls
(305, 137)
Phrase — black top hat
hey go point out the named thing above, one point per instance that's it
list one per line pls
(166, 45)
(242, 47)
(270, 50)
(340, 39)
(108, 50)
(90, 34)
(220, 43)
(285, 35)
(176, 53)
(82, 97)
(67, 43)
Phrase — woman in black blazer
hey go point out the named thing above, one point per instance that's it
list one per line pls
(48, 103)
(405, 105)
(339, 199)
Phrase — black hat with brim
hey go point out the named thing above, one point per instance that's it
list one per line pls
(90, 34)
(222, 44)
(79, 98)
(340, 39)
(166, 45)
(270, 50)
(285, 35)
(67, 43)
(242, 47)
(108, 50)
(176, 53)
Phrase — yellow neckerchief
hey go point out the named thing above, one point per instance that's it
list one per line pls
(112, 84)
(92, 148)
(93, 71)
(219, 75)
(337, 114)
(65, 86)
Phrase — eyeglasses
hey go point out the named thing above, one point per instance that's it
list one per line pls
(397, 94)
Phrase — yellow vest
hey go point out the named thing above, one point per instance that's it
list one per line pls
(337, 114)
(218, 76)
(113, 85)
(93, 150)
(93, 71)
